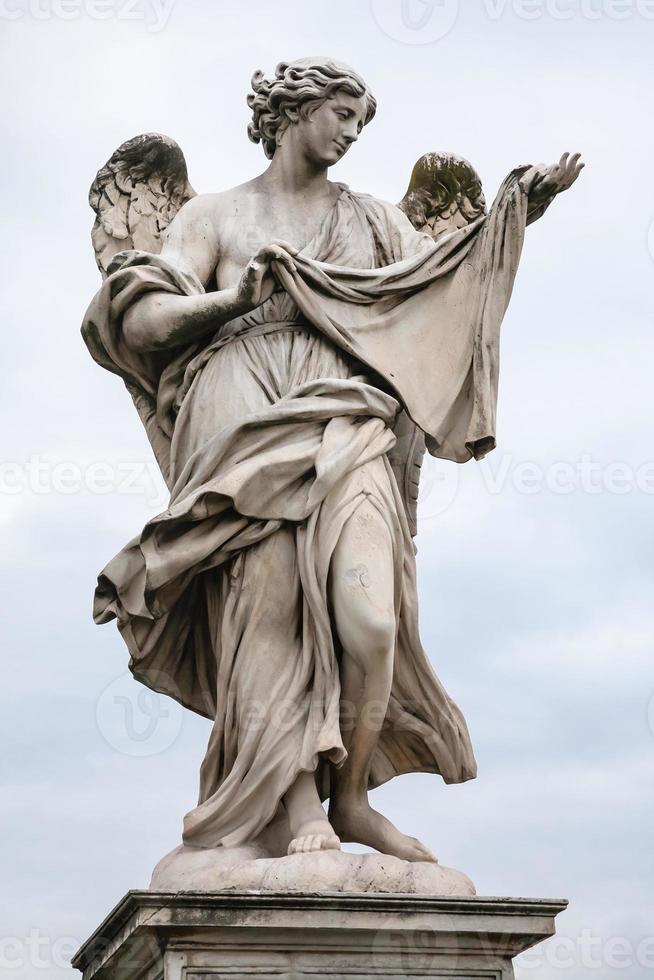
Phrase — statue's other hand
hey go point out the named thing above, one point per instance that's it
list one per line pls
(258, 282)
(560, 176)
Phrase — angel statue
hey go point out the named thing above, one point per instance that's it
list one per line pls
(293, 347)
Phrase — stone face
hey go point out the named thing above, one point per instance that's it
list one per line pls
(245, 869)
(194, 936)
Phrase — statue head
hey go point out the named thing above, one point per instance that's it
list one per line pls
(326, 102)
(444, 193)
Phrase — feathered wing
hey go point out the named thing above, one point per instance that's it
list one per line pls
(444, 194)
(136, 195)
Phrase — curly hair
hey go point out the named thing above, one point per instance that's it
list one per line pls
(299, 85)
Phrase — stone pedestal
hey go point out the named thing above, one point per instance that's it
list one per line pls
(237, 935)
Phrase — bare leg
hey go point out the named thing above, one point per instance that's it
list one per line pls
(310, 828)
(363, 603)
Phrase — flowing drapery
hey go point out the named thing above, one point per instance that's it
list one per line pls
(223, 598)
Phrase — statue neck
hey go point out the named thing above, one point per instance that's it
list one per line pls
(291, 172)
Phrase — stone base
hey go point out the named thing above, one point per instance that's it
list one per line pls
(273, 936)
(250, 869)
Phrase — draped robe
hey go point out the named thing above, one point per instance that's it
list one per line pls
(271, 435)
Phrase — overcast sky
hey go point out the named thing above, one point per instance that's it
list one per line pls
(535, 566)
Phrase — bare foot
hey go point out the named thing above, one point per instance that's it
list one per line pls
(360, 824)
(314, 835)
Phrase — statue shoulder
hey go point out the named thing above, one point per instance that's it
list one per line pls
(204, 218)
(382, 209)
(209, 228)
(204, 211)
(215, 211)
(395, 235)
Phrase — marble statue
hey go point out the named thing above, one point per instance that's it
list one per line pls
(293, 348)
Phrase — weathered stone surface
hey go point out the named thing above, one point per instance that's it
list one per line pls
(244, 868)
(200, 936)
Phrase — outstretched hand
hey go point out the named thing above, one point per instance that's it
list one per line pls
(258, 282)
(560, 176)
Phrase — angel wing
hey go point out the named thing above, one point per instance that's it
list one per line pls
(136, 195)
(444, 194)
